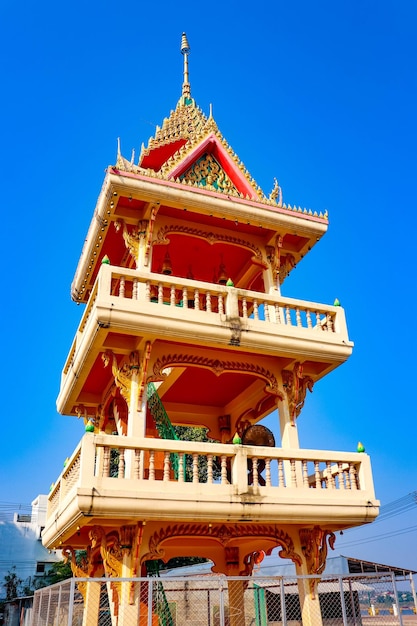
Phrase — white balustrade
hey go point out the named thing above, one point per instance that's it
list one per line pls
(273, 470)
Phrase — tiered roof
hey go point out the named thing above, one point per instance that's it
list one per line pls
(189, 149)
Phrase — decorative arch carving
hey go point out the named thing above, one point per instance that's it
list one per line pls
(217, 366)
(163, 233)
(224, 535)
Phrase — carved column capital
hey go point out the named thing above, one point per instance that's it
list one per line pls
(296, 385)
(134, 236)
(314, 549)
(287, 262)
(122, 375)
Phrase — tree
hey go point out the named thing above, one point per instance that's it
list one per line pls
(12, 583)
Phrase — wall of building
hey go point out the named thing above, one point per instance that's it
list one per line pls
(21, 545)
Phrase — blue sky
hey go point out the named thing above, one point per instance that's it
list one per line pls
(321, 96)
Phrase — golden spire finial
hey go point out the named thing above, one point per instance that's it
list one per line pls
(185, 50)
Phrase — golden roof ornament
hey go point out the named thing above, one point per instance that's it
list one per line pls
(185, 51)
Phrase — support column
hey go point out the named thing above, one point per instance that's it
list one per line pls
(91, 603)
(295, 384)
(312, 544)
(236, 588)
(288, 428)
(309, 598)
(130, 378)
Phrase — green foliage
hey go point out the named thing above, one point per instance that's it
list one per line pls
(12, 584)
(57, 572)
(195, 433)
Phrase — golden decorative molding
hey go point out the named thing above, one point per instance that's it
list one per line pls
(144, 370)
(224, 535)
(122, 376)
(276, 193)
(296, 385)
(85, 568)
(314, 548)
(154, 213)
(133, 237)
(260, 199)
(111, 550)
(217, 366)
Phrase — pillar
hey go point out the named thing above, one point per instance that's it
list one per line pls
(307, 587)
(91, 603)
(288, 428)
(236, 588)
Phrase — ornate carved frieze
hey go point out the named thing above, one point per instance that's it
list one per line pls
(314, 548)
(217, 366)
(224, 535)
(296, 385)
(162, 238)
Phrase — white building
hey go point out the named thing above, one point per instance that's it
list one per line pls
(21, 546)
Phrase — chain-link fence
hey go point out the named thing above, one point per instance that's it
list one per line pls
(354, 600)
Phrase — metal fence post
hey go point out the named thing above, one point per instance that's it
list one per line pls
(342, 601)
(150, 601)
(37, 620)
(49, 606)
(283, 607)
(71, 601)
(58, 608)
(397, 600)
(413, 592)
(221, 601)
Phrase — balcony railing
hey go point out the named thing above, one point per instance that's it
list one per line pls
(132, 465)
(138, 291)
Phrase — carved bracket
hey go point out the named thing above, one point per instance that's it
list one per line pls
(296, 385)
(314, 548)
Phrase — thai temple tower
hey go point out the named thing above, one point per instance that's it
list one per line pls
(184, 324)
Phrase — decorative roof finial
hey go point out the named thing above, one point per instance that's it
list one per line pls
(185, 50)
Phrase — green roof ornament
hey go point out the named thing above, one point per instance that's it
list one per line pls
(105, 260)
(230, 283)
(360, 447)
(236, 439)
(336, 302)
(89, 427)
